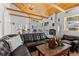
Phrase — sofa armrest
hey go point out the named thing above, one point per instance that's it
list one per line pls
(21, 51)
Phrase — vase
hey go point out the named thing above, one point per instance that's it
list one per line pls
(53, 43)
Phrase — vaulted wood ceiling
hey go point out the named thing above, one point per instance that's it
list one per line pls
(44, 9)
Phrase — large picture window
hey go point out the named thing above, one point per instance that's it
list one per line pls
(71, 23)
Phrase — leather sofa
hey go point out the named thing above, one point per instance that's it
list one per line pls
(72, 40)
(33, 39)
(69, 39)
(22, 50)
(30, 41)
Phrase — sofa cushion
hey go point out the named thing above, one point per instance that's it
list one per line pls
(70, 38)
(31, 39)
(76, 42)
(21, 51)
(42, 36)
(34, 43)
(66, 41)
(28, 37)
(14, 42)
(36, 37)
(41, 42)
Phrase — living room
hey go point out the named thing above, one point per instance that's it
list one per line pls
(39, 29)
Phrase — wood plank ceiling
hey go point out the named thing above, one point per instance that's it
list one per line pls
(43, 10)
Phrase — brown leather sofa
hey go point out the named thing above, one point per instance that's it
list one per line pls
(30, 41)
(72, 40)
(22, 50)
(69, 39)
(33, 39)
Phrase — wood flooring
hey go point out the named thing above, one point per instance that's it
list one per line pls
(35, 53)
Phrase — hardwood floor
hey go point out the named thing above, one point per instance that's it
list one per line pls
(74, 53)
(35, 53)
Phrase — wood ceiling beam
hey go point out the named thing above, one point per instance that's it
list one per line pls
(67, 8)
(74, 6)
(34, 10)
(59, 8)
(70, 7)
(24, 16)
(11, 9)
(22, 7)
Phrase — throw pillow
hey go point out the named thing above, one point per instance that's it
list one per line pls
(15, 42)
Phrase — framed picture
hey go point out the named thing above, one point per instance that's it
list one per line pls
(53, 24)
(71, 23)
(46, 23)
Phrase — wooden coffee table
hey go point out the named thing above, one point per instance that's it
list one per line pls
(58, 51)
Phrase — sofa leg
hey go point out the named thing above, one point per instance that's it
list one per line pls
(38, 53)
(68, 53)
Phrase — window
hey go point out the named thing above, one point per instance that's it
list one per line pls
(71, 23)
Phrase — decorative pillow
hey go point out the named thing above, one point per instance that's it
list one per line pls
(15, 42)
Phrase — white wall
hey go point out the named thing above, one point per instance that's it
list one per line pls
(9, 28)
(6, 24)
(36, 24)
(19, 23)
(1, 17)
(6, 20)
(49, 26)
(61, 15)
(60, 24)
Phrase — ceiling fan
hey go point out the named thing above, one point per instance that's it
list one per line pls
(31, 7)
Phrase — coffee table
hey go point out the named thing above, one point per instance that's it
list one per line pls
(44, 50)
